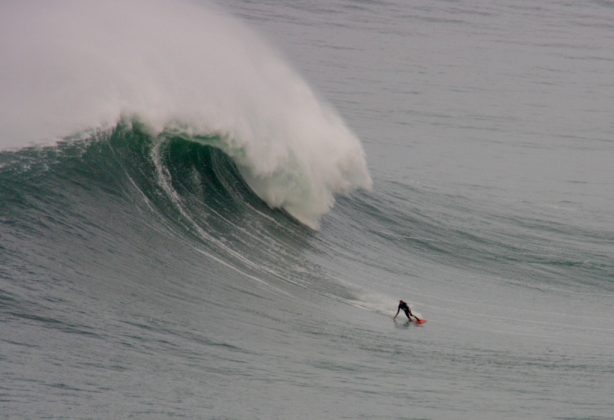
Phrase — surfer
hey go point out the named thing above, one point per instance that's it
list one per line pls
(405, 307)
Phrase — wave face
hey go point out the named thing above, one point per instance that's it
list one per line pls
(182, 69)
(124, 187)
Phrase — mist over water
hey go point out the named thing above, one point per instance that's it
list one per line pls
(158, 256)
(180, 68)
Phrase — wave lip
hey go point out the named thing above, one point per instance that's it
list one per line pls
(71, 65)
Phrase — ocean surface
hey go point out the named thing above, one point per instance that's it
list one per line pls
(212, 211)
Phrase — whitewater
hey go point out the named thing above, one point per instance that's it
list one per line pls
(181, 69)
(212, 210)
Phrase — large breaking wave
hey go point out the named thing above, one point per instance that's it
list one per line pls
(184, 71)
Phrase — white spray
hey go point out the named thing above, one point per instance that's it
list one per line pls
(72, 65)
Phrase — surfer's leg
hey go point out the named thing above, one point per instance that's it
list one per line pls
(411, 314)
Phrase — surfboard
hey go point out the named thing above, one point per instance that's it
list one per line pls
(421, 321)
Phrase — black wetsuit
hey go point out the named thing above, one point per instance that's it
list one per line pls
(405, 308)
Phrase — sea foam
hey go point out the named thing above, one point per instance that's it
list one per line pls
(69, 66)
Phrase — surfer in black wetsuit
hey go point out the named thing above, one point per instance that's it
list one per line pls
(405, 307)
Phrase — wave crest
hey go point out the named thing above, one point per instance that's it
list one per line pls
(181, 68)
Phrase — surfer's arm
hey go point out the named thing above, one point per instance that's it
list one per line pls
(395, 316)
